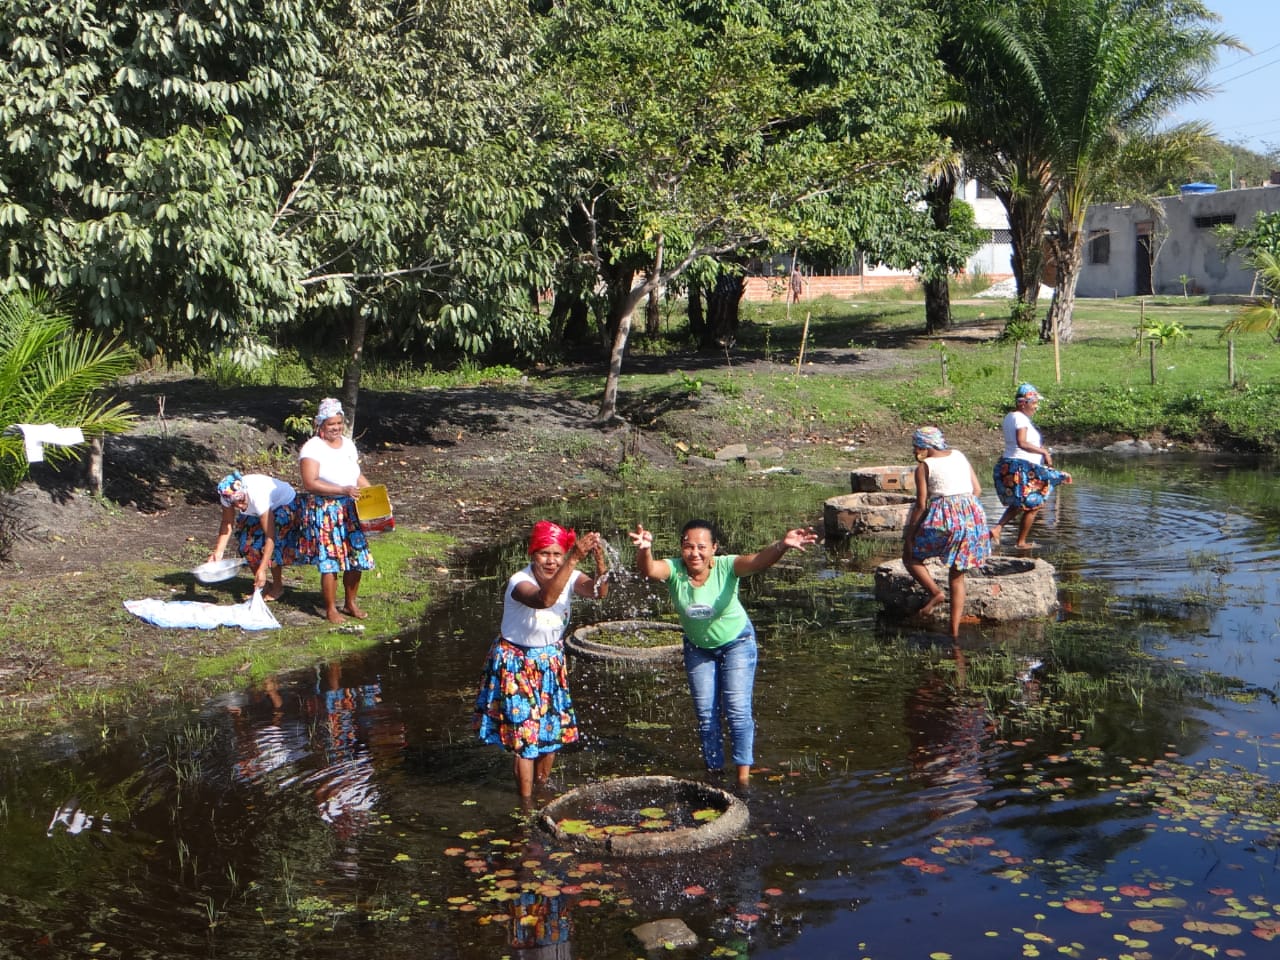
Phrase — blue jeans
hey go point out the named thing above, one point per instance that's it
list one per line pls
(722, 680)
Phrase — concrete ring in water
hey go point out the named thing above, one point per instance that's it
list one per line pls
(879, 479)
(609, 641)
(881, 514)
(1003, 588)
(622, 812)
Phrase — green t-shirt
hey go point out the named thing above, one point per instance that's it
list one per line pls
(711, 615)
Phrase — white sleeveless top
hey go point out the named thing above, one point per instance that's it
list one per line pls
(949, 476)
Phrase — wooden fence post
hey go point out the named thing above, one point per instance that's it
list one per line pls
(1231, 363)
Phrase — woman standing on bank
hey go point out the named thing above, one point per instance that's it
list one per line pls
(1024, 477)
(719, 640)
(332, 538)
(524, 703)
(946, 521)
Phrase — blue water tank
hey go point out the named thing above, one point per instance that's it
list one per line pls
(1199, 188)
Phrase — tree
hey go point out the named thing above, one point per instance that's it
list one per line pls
(706, 130)
(52, 373)
(206, 178)
(1065, 85)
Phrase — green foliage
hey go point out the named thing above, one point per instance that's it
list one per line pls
(1163, 331)
(1264, 313)
(1022, 326)
(52, 373)
(199, 179)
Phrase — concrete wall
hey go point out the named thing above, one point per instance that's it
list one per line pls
(1180, 246)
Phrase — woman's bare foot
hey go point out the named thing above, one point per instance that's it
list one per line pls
(994, 533)
(272, 593)
(351, 610)
(932, 604)
(333, 616)
(1029, 545)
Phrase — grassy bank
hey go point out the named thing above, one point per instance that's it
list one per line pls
(86, 658)
(1191, 388)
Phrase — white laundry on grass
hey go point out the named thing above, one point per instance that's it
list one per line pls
(253, 614)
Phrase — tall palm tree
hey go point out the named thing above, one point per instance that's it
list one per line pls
(52, 373)
(1074, 83)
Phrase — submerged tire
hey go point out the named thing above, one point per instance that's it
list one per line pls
(639, 792)
(1003, 589)
(591, 642)
(867, 514)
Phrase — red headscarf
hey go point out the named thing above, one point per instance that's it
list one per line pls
(545, 533)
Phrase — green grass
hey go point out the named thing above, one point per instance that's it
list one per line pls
(77, 624)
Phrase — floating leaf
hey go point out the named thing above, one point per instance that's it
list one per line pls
(1146, 926)
(653, 813)
(705, 815)
(1080, 905)
(655, 824)
(574, 827)
(773, 891)
(402, 857)
(695, 890)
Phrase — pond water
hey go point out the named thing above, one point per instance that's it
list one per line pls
(1098, 786)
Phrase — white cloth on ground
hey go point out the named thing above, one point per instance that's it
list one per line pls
(36, 435)
(253, 614)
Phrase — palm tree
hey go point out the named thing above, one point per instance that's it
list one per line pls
(1264, 312)
(52, 373)
(1069, 86)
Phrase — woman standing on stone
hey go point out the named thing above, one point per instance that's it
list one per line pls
(946, 521)
(1024, 477)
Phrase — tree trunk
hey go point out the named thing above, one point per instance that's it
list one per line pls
(721, 329)
(1027, 219)
(355, 363)
(653, 314)
(937, 284)
(1069, 255)
(622, 330)
(697, 316)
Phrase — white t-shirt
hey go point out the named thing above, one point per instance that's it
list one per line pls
(265, 493)
(340, 466)
(1014, 421)
(527, 626)
(949, 476)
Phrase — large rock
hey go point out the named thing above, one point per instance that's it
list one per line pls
(1004, 588)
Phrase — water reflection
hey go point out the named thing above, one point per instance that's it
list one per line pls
(904, 783)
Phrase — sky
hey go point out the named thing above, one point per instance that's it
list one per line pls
(1245, 109)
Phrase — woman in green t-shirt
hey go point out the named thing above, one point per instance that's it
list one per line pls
(719, 640)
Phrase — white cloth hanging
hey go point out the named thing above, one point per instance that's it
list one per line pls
(36, 435)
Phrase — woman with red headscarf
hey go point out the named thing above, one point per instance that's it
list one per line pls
(524, 703)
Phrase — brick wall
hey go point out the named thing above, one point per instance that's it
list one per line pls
(845, 287)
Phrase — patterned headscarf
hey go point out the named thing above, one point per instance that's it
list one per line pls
(929, 438)
(329, 407)
(545, 533)
(229, 488)
(1028, 393)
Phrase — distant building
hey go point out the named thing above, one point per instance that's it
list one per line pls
(993, 260)
(1130, 251)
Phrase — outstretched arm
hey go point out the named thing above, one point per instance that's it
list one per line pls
(646, 566)
(796, 539)
(224, 533)
(545, 595)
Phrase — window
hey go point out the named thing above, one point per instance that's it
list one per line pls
(1213, 220)
(1100, 246)
(985, 192)
(1002, 236)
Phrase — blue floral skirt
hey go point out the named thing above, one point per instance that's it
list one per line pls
(331, 536)
(524, 703)
(1021, 483)
(955, 530)
(252, 537)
